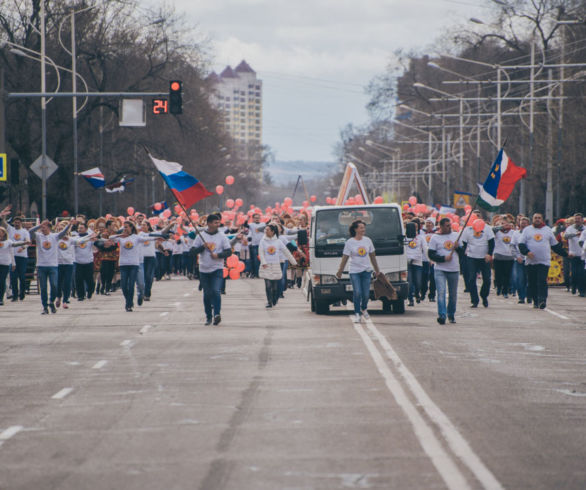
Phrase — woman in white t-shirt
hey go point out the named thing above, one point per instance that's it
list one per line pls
(6, 259)
(360, 250)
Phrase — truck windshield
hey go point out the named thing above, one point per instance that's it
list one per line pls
(383, 227)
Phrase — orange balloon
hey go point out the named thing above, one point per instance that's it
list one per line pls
(130, 211)
(232, 261)
(158, 206)
(313, 198)
(219, 189)
(241, 266)
(239, 202)
(478, 225)
(229, 180)
(230, 203)
(234, 274)
(379, 200)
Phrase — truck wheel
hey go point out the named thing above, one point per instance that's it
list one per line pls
(322, 308)
(386, 305)
(399, 306)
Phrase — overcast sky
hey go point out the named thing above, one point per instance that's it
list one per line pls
(316, 56)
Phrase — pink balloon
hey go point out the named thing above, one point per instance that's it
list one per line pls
(229, 180)
(413, 200)
(158, 206)
(478, 225)
(167, 213)
(130, 211)
(313, 198)
(288, 201)
(379, 200)
(239, 202)
(234, 274)
(241, 266)
(230, 203)
(219, 190)
(305, 204)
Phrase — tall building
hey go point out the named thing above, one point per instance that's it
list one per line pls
(238, 95)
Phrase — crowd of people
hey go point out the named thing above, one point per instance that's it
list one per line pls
(81, 257)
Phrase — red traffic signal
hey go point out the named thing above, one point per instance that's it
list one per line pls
(175, 97)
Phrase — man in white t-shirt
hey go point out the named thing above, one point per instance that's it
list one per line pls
(213, 247)
(478, 247)
(572, 234)
(536, 242)
(442, 250)
(256, 233)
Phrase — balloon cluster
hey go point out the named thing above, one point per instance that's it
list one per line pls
(234, 267)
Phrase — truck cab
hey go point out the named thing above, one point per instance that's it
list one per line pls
(328, 234)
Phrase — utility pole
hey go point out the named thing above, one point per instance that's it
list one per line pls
(2, 114)
(549, 156)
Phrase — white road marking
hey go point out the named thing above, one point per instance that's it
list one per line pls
(165, 313)
(62, 394)
(178, 304)
(145, 329)
(10, 432)
(448, 470)
(186, 295)
(556, 314)
(99, 364)
(127, 343)
(455, 440)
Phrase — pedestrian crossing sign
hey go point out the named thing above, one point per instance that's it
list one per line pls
(3, 167)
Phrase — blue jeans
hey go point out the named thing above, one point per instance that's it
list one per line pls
(65, 281)
(578, 280)
(211, 283)
(128, 275)
(4, 269)
(283, 282)
(520, 279)
(18, 275)
(254, 259)
(149, 274)
(414, 278)
(140, 280)
(360, 290)
(52, 274)
(446, 280)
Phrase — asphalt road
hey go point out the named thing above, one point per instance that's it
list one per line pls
(97, 398)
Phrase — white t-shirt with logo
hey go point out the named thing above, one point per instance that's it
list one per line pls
(503, 243)
(256, 233)
(6, 252)
(82, 249)
(477, 241)
(358, 251)
(47, 249)
(416, 249)
(219, 242)
(443, 245)
(21, 235)
(129, 248)
(573, 236)
(539, 241)
(427, 237)
(65, 252)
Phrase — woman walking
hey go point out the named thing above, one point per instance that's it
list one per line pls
(270, 249)
(360, 250)
(7, 262)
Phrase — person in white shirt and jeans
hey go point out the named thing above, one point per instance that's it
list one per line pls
(359, 249)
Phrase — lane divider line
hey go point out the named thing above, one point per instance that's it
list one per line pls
(450, 433)
(62, 394)
(448, 470)
(145, 329)
(10, 432)
(165, 313)
(127, 343)
(557, 314)
(99, 364)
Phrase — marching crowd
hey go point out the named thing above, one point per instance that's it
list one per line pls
(81, 257)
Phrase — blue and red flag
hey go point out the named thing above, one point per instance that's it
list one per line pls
(95, 177)
(186, 188)
(500, 182)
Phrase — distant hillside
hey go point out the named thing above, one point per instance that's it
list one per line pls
(287, 172)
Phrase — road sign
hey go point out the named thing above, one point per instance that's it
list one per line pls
(3, 167)
(37, 165)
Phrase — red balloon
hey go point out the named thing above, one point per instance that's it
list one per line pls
(232, 261)
(478, 225)
(305, 204)
(234, 274)
(130, 211)
(239, 202)
(158, 206)
(229, 180)
(379, 200)
(313, 198)
(413, 200)
(241, 266)
(219, 190)
(230, 203)
(288, 201)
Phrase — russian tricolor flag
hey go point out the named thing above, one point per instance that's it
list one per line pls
(186, 188)
(95, 177)
(500, 182)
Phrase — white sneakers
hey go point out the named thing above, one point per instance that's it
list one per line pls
(365, 315)
(356, 318)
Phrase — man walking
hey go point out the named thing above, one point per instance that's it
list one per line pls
(442, 246)
(478, 247)
(536, 242)
(572, 234)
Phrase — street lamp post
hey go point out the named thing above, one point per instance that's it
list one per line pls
(43, 119)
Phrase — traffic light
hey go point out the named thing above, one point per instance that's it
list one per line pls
(175, 98)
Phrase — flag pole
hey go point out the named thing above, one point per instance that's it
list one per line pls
(182, 206)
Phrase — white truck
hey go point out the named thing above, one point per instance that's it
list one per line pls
(329, 232)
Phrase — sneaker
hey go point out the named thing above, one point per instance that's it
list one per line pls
(452, 319)
(365, 315)
(411, 303)
(418, 300)
(441, 320)
(208, 321)
(58, 302)
(45, 311)
(14, 299)
(217, 319)
(129, 309)
(542, 305)
(505, 295)
(147, 298)
(485, 302)
(432, 300)
(521, 302)
(535, 306)
(140, 300)
(65, 306)
(269, 305)
(53, 309)
(356, 318)
(474, 305)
